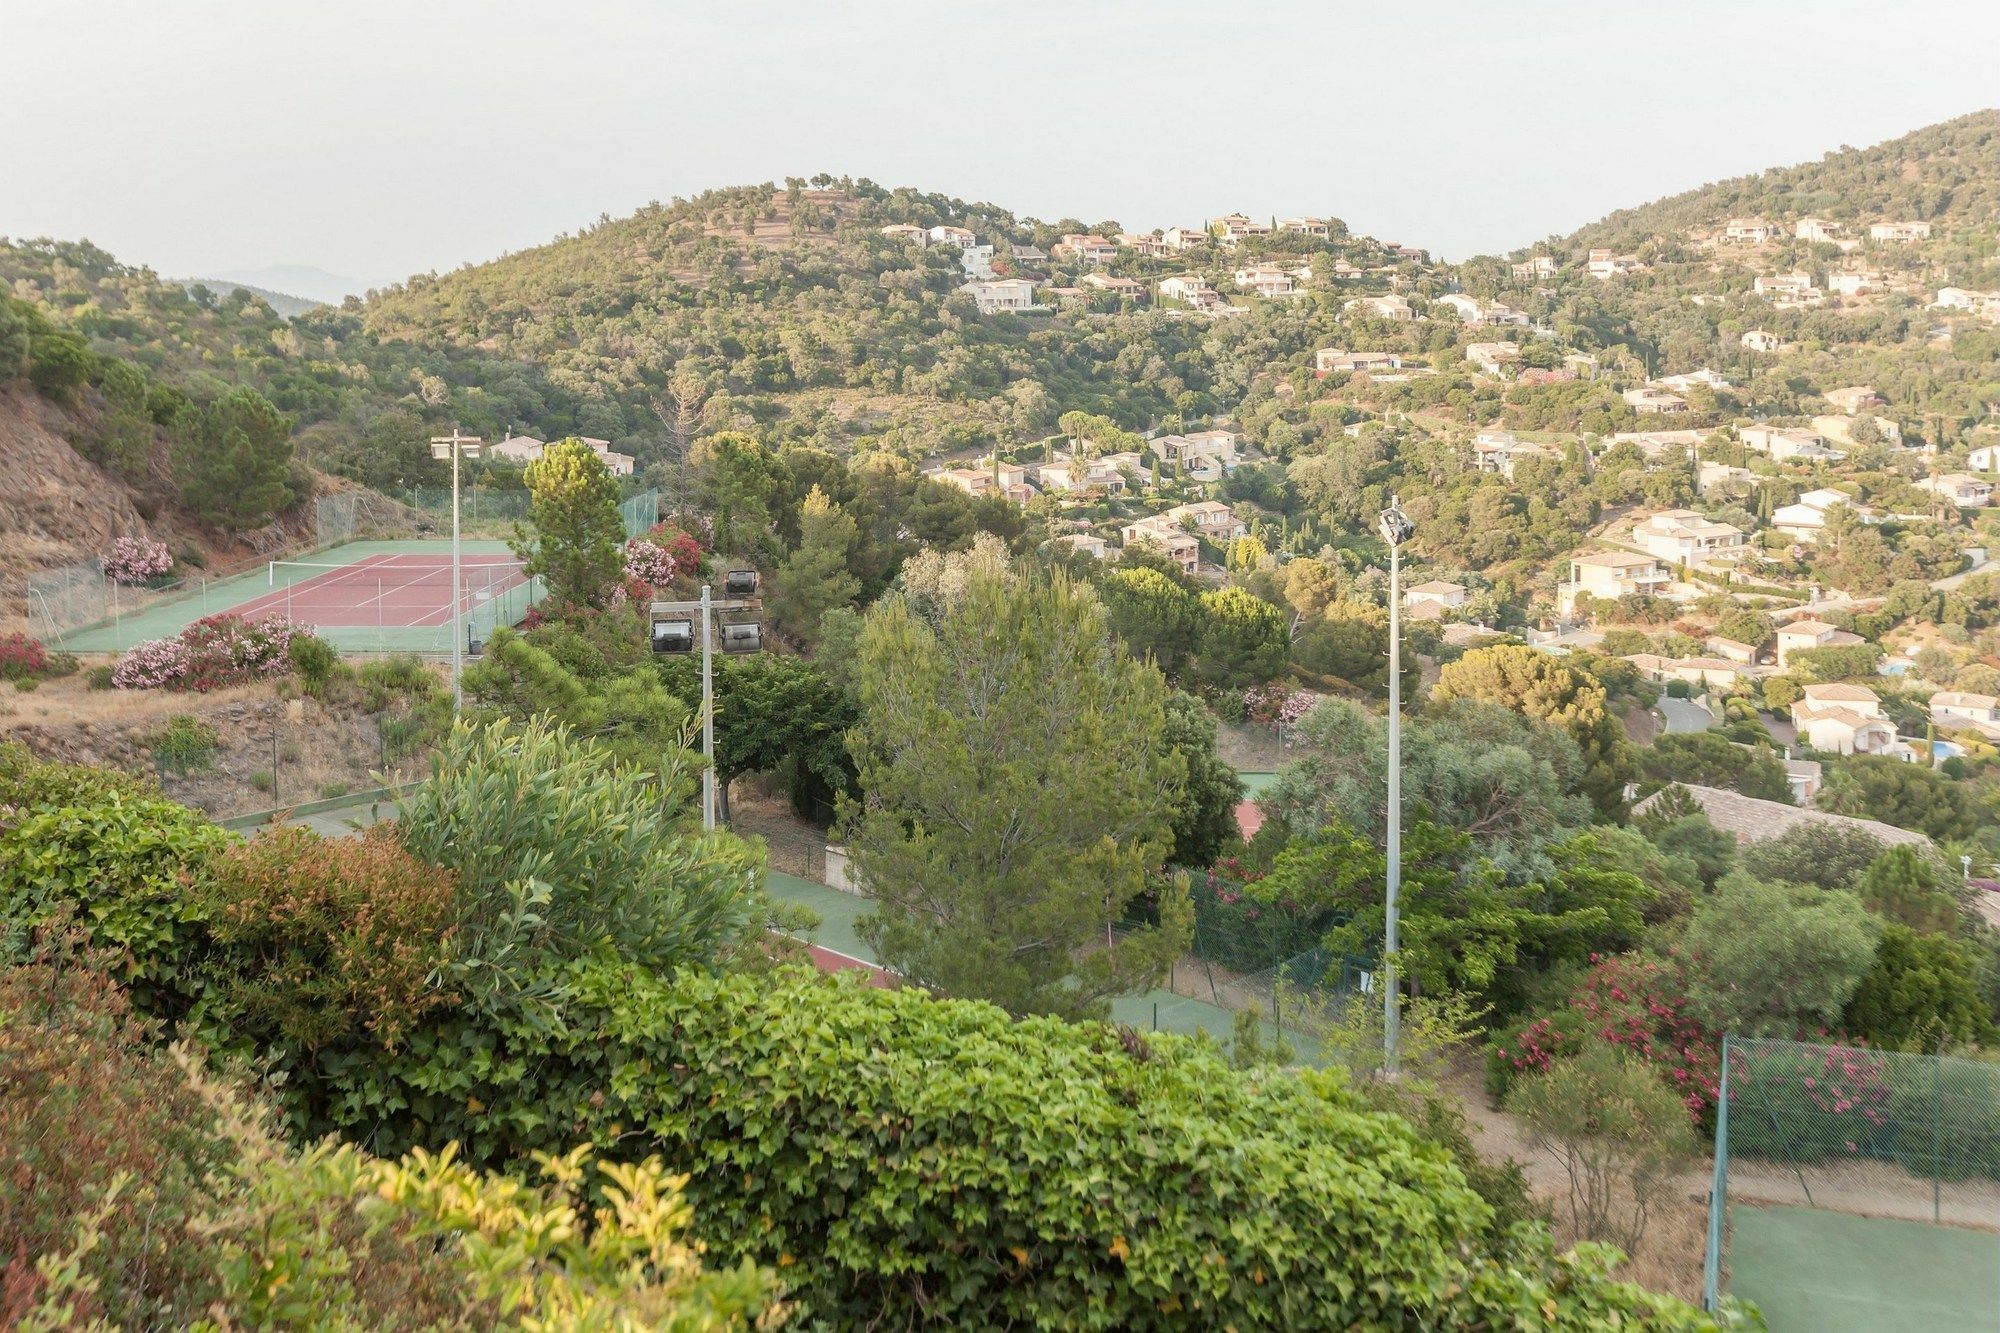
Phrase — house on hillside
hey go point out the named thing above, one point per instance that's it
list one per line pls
(1731, 650)
(1782, 443)
(1856, 284)
(1799, 635)
(1846, 719)
(1192, 290)
(945, 234)
(1334, 361)
(1541, 266)
(1090, 249)
(1986, 305)
(1899, 231)
(1029, 256)
(1391, 307)
(908, 233)
(1180, 545)
(1610, 575)
(1649, 401)
(1604, 266)
(1962, 706)
(1675, 535)
(1440, 594)
(1806, 518)
(1816, 230)
(1788, 289)
(1140, 243)
(1494, 358)
(1963, 490)
(1721, 476)
(1748, 231)
(525, 449)
(1104, 282)
(1856, 398)
(1211, 519)
(1235, 227)
(1465, 307)
(1082, 541)
(1317, 227)
(1204, 456)
(1758, 340)
(1266, 280)
(1178, 239)
(996, 295)
(1692, 379)
(1502, 451)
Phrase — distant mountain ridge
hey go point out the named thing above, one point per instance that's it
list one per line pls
(284, 303)
(304, 280)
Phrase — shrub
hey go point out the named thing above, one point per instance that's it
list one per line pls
(322, 939)
(136, 560)
(100, 678)
(27, 685)
(933, 1164)
(1618, 1133)
(22, 658)
(1921, 993)
(1770, 960)
(315, 660)
(185, 745)
(213, 652)
(158, 1198)
(121, 858)
(562, 853)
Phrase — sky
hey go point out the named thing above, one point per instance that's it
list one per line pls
(375, 140)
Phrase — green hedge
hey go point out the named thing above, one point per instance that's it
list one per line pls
(906, 1162)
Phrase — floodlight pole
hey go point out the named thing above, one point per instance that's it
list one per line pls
(707, 714)
(455, 444)
(1396, 529)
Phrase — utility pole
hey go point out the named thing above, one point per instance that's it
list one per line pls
(455, 444)
(1396, 529)
(707, 711)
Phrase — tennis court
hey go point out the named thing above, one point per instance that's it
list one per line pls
(369, 596)
(1812, 1270)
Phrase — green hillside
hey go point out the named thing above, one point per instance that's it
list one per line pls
(1948, 173)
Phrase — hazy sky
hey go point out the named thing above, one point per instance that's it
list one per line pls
(380, 139)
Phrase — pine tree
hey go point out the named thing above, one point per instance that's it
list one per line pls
(815, 578)
(578, 542)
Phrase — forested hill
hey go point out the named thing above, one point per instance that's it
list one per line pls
(1947, 173)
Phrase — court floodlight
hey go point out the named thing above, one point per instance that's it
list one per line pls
(740, 583)
(747, 637)
(673, 636)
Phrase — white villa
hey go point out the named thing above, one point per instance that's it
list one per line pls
(1800, 635)
(1494, 358)
(1846, 719)
(1674, 535)
(1501, 451)
(994, 295)
(1333, 361)
(1612, 574)
(1780, 443)
(1963, 490)
(1899, 231)
(1650, 401)
(1805, 519)
(525, 449)
(1759, 340)
(1380, 307)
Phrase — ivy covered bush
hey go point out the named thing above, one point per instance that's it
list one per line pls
(909, 1162)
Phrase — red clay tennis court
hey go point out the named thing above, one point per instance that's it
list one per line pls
(390, 591)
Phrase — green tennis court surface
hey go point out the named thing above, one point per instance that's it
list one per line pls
(1815, 1271)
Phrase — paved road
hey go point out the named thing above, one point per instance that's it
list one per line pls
(1683, 715)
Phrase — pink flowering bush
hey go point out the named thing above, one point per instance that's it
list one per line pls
(22, 658)
(661, 556)
(1275, 705)
(1623, 1000)
(213, 652)
(134, 560)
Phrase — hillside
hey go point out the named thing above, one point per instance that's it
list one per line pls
(1947, 173)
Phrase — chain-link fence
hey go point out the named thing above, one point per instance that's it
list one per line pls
(640, 512)
(1824, 1153)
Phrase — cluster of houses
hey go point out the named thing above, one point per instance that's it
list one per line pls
(1202, 456)
(1818, 231)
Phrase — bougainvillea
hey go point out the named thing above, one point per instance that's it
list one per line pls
(133, 560)
(213, 652)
